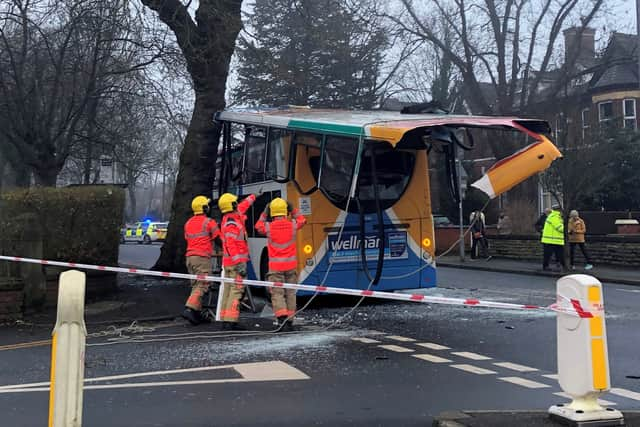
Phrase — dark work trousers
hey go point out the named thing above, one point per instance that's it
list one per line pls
(548, 250)
(479, 248)
(572, 251)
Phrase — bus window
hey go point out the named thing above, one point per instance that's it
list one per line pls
(256, 210)
(276, 160)
(394, 169)
(337, 168)
(255, 141)
(306, 146)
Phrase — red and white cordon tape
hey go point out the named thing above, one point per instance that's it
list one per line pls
(563, 305)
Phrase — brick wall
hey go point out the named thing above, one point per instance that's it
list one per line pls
(612, 250)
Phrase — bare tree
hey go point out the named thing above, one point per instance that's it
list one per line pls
(207, 43)
(510, 44)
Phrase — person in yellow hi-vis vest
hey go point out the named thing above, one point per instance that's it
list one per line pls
(553, 238)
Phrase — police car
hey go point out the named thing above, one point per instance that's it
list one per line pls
(144, 232)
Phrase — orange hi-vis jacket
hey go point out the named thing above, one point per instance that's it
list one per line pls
(199, 232)
(281, 240)
(234, 234)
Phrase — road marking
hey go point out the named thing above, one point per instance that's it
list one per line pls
(473, 369)
(523, 382)
(25, 345)
(396, 348)
(431, 358)
(433, 346)
(515, 367)
(399, 338)
(600, 401)
(625, 393)
(551, 376)
(262, 371)
(472, 356)
(366, 340)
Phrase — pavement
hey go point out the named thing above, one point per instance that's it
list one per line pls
(510, 418)
(604, 273)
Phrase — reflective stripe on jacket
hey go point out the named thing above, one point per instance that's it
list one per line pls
(553, 232)
(281, 240)
(234, 235)
(199, 232)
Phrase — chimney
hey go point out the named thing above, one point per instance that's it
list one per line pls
(580, 41)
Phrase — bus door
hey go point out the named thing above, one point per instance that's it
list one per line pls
(389, 203)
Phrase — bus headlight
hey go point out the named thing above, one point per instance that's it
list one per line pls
(307, 249)
(426, 242)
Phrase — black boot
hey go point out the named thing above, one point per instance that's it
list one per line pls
(282, 324)
(232, 326)
(192, 316)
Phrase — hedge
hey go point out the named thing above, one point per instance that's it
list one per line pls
(78, 224)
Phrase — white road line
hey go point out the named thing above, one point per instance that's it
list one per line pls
(625, 393)
(472, 356)
(433, 346)
(396, 348)
(364, 340)
(399, 338)
(551, 376)
(515, 367)
(473, 369)
(524, 383)
(431, 358)
(262, 371)
(600, 401)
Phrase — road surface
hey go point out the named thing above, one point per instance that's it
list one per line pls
(389, 364)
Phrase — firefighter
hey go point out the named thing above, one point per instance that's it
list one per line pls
(199, 232)
(235, 254)
(281, 244)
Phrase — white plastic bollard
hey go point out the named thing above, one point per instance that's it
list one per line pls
(67, 353)
(220, 294)
(583, 361)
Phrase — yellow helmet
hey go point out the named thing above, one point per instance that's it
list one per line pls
(227, 202)
(198, 204)
(278, 207)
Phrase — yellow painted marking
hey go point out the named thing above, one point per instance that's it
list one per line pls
(53, 379)
(598, 364)
(595, 324)
(25, 345)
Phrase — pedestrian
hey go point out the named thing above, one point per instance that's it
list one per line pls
(281, 231)
(235, 255)
(504, 224)
(577, 229)
(199, 232)
(553, 238)
(539, 225)
(479, 246)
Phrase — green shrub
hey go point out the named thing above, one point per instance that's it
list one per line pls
(79, 224)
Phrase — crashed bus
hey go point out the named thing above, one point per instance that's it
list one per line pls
(361, 179)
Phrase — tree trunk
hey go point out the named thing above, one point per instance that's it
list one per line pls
(195, 176)
(131, 189)
(47, 176)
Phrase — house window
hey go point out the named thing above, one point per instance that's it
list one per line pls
(605, 110)
(585, 122)
(629, 112)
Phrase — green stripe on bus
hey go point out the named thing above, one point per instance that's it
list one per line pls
(325, 127)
